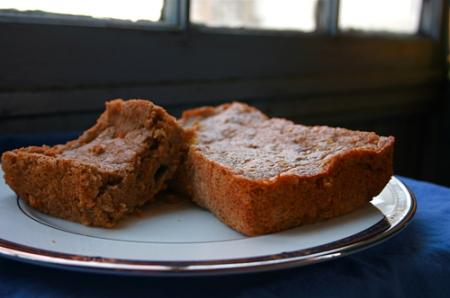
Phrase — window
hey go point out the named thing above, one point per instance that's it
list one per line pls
(78, 55)
(399, 16)
(131, 13)
(132, 10)
(256, 14)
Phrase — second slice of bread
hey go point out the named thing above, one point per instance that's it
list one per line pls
(261, 175)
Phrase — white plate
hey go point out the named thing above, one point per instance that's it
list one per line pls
(181, 239)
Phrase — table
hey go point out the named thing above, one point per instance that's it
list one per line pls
(415, 263)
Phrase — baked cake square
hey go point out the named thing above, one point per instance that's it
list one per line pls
(110, 170)
(261, 175)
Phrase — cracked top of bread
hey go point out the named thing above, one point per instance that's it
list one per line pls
(120, 135)
(250, 144)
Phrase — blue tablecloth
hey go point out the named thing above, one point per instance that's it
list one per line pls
(415, 263)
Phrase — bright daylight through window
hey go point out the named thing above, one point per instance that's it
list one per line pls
(132, 10)
(400, 16)
(256, 14)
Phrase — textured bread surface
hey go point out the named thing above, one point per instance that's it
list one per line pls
(261, 175)
(111, 169)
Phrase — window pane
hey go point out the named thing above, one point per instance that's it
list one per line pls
(256, 14)
(132, 10)
(400, 16)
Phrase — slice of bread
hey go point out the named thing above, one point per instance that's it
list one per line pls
(261, 175)
(113, 168)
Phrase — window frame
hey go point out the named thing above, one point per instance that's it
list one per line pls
(211, 63)
(176, 14)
